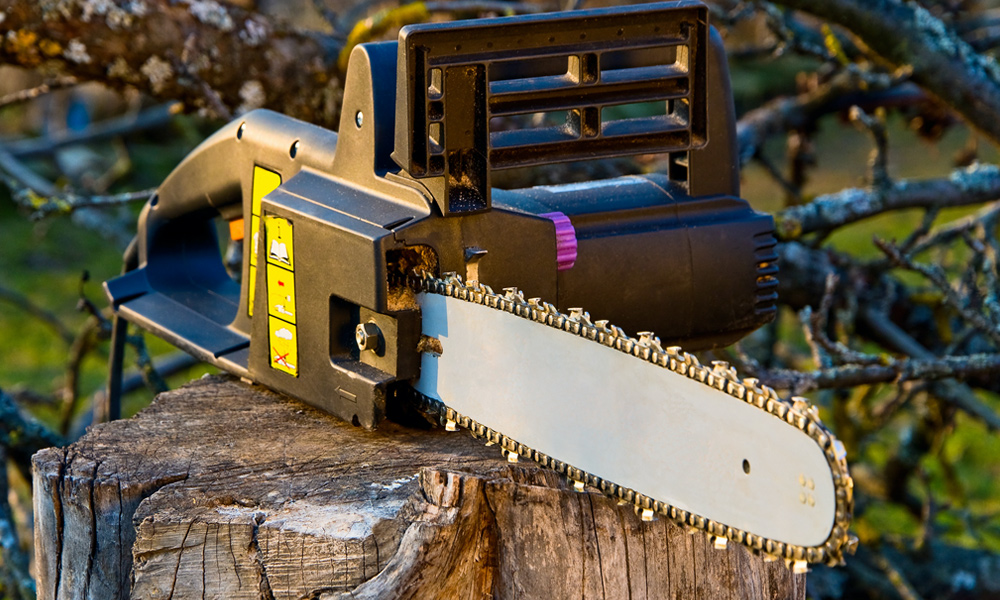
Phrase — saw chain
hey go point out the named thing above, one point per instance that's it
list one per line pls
(796, 412)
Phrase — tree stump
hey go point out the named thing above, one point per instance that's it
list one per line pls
(225, 490)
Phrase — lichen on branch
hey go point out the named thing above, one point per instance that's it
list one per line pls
(202, 52)
(907, 35)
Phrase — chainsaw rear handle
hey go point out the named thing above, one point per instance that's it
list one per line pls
(216, 179)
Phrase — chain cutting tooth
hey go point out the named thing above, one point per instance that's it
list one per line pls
(649, 339)
(450, 425)
(578, 486)
(514, 295)
(852, 545)
(720, 542)
(580, 316)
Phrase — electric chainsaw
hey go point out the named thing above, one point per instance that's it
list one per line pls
(374, 260)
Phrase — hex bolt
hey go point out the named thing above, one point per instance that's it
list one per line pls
(368, 336)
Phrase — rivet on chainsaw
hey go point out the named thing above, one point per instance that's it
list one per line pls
(368, 336)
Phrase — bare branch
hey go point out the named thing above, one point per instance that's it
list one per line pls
(32, 192)
(22, 436)
(13, 560)
(24, 303)
(66, 203)
(936, 276)
(802, 111)
(879, 161)
(973, 185)
(987, 217)
(948, 367)
(906, 34)
(37, 91)
(86, 341)
(150, 118)
(899, 581)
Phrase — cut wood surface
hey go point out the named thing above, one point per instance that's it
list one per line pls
(225, 490)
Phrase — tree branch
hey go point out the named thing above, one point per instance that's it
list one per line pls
(24, 303)
(948, 367)
(801, 112)
(972, 185)
(13, 560)
(150, 118)
(22, 436)
(35, 92)
(906, 34)
(177, 50)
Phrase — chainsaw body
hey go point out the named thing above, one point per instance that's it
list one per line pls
(322, 311)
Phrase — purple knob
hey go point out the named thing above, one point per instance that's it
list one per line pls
(565, 240)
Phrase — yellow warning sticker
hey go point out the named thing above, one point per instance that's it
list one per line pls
(251, 289)
(284, 346)
(264, 182)
(254, 238)
(278, 241)
(281, 293)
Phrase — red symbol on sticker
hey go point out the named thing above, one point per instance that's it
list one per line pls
(280, 359)
(281, 283)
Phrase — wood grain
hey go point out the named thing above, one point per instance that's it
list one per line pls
(225, 490)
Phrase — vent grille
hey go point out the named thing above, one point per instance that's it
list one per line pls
(766, 257)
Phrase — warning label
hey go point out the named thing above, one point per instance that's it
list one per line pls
(279, 241)
(284, 346)
(281, 293)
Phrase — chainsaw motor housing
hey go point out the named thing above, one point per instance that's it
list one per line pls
(335, 222)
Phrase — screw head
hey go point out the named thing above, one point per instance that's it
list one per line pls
(359, 119)
(368, 336)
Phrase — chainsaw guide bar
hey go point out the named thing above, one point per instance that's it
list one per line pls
(719, 377)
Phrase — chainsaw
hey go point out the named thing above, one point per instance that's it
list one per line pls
(381, 267)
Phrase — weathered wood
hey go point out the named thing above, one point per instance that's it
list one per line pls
(224, 490)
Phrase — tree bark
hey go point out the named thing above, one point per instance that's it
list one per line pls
(909, 36)
(225, 490)
(212, 56)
